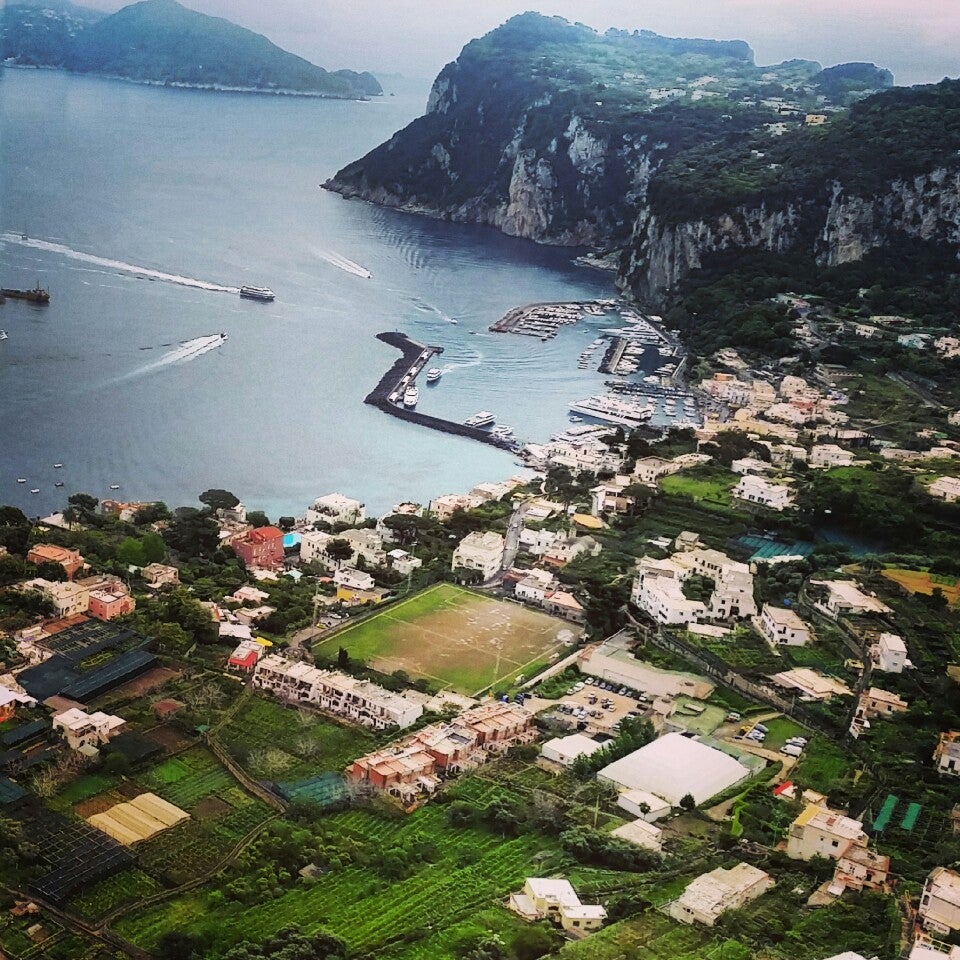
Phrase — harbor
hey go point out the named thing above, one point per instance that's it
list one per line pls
(390, 393)
(545, 320)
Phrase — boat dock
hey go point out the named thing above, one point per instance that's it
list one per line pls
(544, 320)
(415, 357)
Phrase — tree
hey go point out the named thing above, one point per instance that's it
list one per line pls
(286, 523)
(49, 570)
(83, 503)
(217, 499)
(131, 553)
(343, 658)
(258, 518)
(154, 549)
(290, 944)
(177, 945)
(339, 550)
(192, 533)
(534, 942)
(687, 802)
(151, 513)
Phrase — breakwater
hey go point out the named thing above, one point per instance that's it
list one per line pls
(412, 361)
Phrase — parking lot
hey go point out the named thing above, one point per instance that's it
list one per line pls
(589, 699)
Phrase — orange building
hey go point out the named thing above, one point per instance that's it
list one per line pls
(70, 560)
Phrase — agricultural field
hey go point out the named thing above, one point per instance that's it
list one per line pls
(457, 638)
(278, 742)
(920, 581)
(469, 869)
(823, 765)
(102, 898)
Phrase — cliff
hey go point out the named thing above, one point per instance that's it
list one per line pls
(661, 152)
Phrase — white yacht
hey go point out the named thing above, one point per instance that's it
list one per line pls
(434, 374)
(410, 396)
(482, 419)
(612, 410)
(257, 293)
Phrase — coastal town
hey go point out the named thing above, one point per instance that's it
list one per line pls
(689, 682)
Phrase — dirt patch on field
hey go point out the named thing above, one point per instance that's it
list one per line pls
(170, 739)
(98, 804)
(919, 581)
(146, 683)
(210, 808)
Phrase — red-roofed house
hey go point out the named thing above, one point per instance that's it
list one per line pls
(70, 560)
(262, 547)
(245, 658)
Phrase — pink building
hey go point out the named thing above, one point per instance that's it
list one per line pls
(107, 605)
(262, 547)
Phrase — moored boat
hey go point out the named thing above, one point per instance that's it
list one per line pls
(411, 396)
(482, 419)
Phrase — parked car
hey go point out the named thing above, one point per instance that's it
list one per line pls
(760, 727)
(734, 718)
(589, 681)
(791, 749)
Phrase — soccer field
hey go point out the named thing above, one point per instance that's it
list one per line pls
(464, 640)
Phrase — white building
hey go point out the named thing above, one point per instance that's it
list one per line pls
(555, 899)
(84, 730)
(946, 488)
(67, 598)
(767, 493)
(830, 455)
(313, 546)
(658, 590)
(650, 469)
(946, 755)
(641, 833)
(820, 832)
(564, 750)
(357, 700)
(644, 805)
(889, 653)
(672, 767)
(335, 508)
(480, 551)
(750, 465)
(350, 579)
(932, 950)
(712, 894)
(443, 508)
(844, 597)
(537, 542)
(782, 627)
(404, 563)
(940, 902)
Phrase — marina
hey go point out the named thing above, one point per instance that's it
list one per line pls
(545, 320)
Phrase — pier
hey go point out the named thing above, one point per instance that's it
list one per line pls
(544, 320)
(415, 357)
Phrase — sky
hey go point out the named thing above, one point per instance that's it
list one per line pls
(918, 40)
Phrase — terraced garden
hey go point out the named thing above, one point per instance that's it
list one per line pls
(472, 869)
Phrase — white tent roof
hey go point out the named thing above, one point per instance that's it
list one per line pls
(674, 766)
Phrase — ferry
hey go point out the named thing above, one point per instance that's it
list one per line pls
(257, 293)
(410, 396)
(434, 374)
(502, 431)
(612, 410)
(482, 419)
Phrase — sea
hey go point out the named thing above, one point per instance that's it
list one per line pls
(143, 209)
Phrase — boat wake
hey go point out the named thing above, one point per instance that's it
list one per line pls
(183, 353)
(425, 307)
(342, 263)
(117, 265)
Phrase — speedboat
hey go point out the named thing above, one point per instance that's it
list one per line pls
(21, 479)
(114, 486)
(58, 466)
(59, 483)
(576, 419)
(434, 374)
(35, 490)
